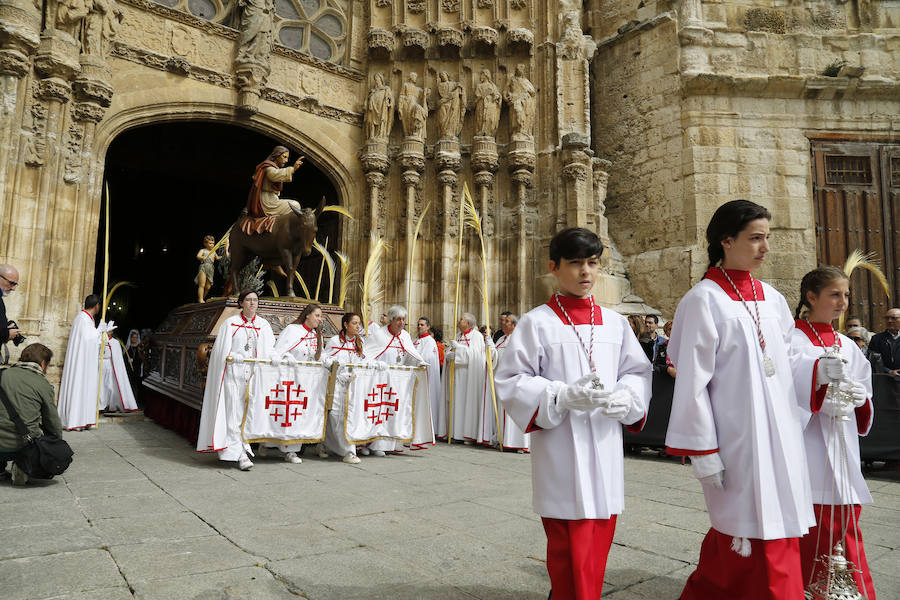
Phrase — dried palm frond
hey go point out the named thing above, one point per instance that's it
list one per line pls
(338, 209)
(222, 239)
(303, 285)
(859, 259)
(371, 285)
(346, 278)
(114, 288)
(412, 254)
(327, 260)
(273, 287)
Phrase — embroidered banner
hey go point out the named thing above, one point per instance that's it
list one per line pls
(286, 404)
(381, 404)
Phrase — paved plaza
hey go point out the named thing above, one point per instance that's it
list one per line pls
(140, 514)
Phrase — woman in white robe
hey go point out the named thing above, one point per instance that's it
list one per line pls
(300, 341)
(514, 438)
(468, 359)
(78, 388)
(345, 347)
(392, 345)
(427, 349)
(734, 414)
(244, 335)
(116, 393)
(838, 487)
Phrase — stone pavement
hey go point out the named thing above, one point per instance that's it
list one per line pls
(140, 514)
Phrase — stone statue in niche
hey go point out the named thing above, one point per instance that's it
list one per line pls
(101, 26)
(257, 31)
(69, 14)
(520, 96)
(379, 109)
(413, 108)
(487, 105)
(451, 106)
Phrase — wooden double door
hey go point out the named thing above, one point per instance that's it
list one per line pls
(856, 190)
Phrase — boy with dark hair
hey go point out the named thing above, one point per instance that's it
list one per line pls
(572, 374)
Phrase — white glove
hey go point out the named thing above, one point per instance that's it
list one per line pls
(327, 361)
(580, 395)
(238, 358)
(836, 409)
(343, 378)
(275, 361)
(829, 370)
(857, 391)
(422, 363)
(618, 404)
(709, 469)
(380, 366)
(451, 355)
(290, 360)
(454, 344)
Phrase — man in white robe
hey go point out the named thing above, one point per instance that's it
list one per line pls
(392, 345)
(116, 394)
(572, 375)
(427, 349)
(466, 363)
(79, 386)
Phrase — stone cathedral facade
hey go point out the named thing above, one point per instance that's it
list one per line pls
(635, 118)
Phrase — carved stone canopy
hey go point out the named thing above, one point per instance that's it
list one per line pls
(378, 39)
(450, 37)
(416, 38)
(487, 36)
(519, 36)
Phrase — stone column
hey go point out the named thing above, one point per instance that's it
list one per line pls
(448, 161)
(521, 161)
(694, 37)
(576, 162)
(375, 163)
(485, 163)
(412, 159)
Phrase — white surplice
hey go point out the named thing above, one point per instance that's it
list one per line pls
(468, 386)
(514, 438)
(342, 351)
(298, 341)
(832, 483)
(79, 386)
(116, 393)
(577, 459)
(427, 349)
(226, 384)
(384, 346)
(724, 401)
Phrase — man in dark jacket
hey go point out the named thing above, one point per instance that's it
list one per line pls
(9, 279)
(31, 395)
(887, 343)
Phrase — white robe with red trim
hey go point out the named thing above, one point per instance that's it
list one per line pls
(724, 401)
(79, 386)
(384, 346)
(226, 384)
(300, 342)
(343, 351)
(468, 387)
(116, 393)
(831, 483)
(514, 437)
(427, 349)
(577, 459)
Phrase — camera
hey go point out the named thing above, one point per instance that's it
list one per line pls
(19, 337)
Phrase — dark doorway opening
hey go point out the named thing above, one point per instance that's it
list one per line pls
(170, 184)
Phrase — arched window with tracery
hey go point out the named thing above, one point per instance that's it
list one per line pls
(314, 27)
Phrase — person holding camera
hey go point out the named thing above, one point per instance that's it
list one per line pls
(31, 395)
(9, 280)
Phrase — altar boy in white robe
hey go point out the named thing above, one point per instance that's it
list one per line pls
(469, 367)
(572, 375)
(79, 386)
(734, 413)
(392, 345)
(514, 438)
(427, 349)
(244, 335)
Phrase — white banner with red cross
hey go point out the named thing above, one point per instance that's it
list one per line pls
(380, 404)
(286, 404)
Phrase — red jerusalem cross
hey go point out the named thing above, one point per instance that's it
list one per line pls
(381, 399)
(286, 402)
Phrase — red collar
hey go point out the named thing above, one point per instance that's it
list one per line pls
(825, 331)
(251, 321)
(88, 314)
(741, 280)
(579, 309)
(343, 338)
(424, 335)
(505, 338)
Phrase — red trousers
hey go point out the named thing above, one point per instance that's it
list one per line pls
(828, 531)
(771, 572)
(576, 556)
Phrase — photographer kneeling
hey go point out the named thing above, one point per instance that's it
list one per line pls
(32, 397)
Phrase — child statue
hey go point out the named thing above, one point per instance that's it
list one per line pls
(207, 258)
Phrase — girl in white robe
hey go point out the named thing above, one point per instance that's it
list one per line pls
(734, 413)
(571, 376)
(514, 438)
(116, 393)
(244, 335)
(301, 341)
(345, 347)
(838, 486)
(78, 388)
(468, 359)
(392, 345)
(427, 349)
